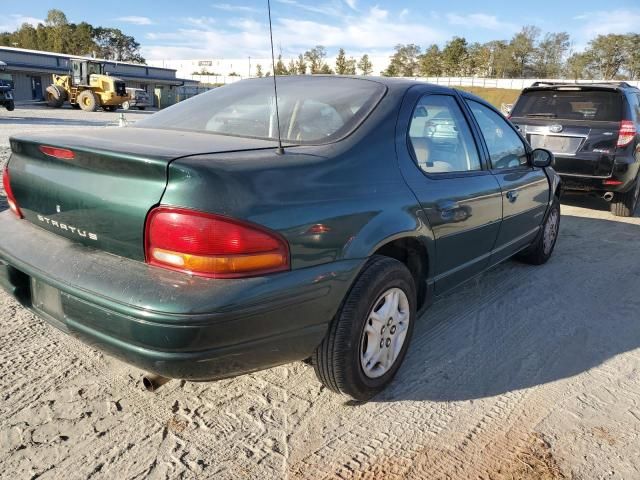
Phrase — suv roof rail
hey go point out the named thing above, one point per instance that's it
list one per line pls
(612, 83)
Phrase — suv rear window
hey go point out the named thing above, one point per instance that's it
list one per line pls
(570, 105)
(313, 110)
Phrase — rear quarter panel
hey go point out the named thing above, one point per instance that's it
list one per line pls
(352, 188)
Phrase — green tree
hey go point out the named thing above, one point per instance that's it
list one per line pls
(292, 68)
(607, 55)
(259, 72)
(365, 65)
(301, 65)
(341, 62)
(549, 56)
(59, 30)
(316, 58)
(523, 48)
(431, 62)
(577, 66)
(280, 68)
(404, 62)
(632, 55)
(454, 56)
(114, 45)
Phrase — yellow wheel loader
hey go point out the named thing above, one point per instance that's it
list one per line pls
(87, 87)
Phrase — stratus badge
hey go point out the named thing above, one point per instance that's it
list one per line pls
(68, 228)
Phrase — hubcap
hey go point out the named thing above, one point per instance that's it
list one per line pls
(550, 231)
(384, 333)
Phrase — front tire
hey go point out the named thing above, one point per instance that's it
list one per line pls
(126, 105)
(625, 204)
(542, 248)
(369, 336)
(11, 106)
(88, 101)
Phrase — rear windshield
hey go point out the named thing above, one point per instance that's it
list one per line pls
(312, 110)
(570, 105)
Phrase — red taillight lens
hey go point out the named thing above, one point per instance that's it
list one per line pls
(627, 133)
(612, 182)
(212, 245)
(11, 199)
(56, 152)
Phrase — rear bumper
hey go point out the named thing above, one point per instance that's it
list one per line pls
(623, 173)
(166, 322)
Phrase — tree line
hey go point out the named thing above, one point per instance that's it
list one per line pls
(314, 61)
(56, 34)
(528, 54)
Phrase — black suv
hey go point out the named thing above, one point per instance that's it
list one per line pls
(593, 131)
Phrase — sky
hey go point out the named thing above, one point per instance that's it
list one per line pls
(189, 29)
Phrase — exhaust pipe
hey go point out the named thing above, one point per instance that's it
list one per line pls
(152, 382)
(608, 196)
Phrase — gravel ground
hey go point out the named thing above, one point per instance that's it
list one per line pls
(525, 372)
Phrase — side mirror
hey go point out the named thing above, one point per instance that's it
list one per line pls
(542, 158)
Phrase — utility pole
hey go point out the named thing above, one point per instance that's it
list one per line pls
(249, 67)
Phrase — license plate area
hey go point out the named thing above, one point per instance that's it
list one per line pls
(556, 143)
(46, 299)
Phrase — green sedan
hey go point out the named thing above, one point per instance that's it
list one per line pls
(191, 246)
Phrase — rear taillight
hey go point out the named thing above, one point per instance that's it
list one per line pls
(61, 153)
(212, 245)
(11, 199)
(627, 133)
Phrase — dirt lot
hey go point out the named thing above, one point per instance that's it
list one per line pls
(523, 373)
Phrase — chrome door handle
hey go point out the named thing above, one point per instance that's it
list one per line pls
(512, 195)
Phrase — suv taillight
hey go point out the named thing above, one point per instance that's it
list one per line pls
(212, 245)
(11, 199)
(627, 133)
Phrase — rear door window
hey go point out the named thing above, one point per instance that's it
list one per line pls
(598, 105)
(440, 136)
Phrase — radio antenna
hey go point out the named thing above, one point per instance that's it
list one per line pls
(279, 150)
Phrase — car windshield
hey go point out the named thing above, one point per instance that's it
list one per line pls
(312, 109)
(570, 105)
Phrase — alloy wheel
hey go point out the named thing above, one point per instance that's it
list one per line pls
(550, 231)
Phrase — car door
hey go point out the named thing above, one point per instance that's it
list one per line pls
(460, 198)
(525, 189)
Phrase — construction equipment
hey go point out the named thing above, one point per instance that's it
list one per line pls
(87, 87)
(6, 87)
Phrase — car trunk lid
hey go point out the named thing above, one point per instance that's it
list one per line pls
(101, 196)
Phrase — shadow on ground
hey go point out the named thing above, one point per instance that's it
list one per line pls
(519, 326)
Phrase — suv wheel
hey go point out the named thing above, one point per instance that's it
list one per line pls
(541, 249)
(624, 204)
(368, 339)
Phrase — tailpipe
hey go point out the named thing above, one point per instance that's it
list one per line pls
(608, 196)
(152, 382)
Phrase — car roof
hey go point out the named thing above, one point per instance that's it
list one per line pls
(614, 86)
(396, 83)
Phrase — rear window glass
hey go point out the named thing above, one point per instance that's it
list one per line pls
(312, 109)
(570, 105)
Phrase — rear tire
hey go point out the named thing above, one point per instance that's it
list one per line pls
(369, 315)
(541, 249)
(11, 106)
(55, 96)
(625, 204)
(88, 101)
(126, 105)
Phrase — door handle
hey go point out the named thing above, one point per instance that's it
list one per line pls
(512, 195)
(447, 209)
